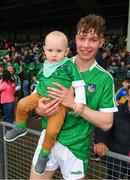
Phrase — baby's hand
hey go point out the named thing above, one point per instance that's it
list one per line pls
(78, 108)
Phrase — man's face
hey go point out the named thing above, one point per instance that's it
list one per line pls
(88, 45)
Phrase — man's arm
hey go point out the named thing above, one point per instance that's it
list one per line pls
(100, 119)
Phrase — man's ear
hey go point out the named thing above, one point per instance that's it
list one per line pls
(67, 51)
(102, 42)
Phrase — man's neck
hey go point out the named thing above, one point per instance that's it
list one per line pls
(83, 65)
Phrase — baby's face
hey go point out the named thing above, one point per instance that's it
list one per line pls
(55, 49)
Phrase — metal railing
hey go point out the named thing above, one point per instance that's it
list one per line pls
(16, 159)
(111, 166)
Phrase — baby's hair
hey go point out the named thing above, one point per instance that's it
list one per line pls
(57, 34)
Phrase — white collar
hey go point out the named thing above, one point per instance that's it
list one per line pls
(92, 66)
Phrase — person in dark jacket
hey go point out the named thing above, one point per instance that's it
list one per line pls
(117, 140)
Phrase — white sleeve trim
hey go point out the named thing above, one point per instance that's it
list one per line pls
(80, 95)
(78, 83)
(113, 109)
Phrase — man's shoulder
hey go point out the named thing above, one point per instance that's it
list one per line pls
(102, 70)
(102, 73)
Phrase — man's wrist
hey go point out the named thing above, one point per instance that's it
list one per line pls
(82, 109)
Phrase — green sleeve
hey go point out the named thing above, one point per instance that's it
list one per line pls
(108, 96)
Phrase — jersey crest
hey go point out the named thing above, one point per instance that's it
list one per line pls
(91, 88)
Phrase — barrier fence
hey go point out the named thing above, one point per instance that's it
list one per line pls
(16, 159)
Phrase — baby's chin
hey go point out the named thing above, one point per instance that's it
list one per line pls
(54, 61)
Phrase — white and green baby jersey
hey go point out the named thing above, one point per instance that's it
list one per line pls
(64, 72)
(76, 131)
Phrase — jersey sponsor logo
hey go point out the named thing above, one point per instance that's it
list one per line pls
(91, 88)
(76, 172)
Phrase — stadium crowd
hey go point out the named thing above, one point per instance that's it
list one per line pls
(24, 59)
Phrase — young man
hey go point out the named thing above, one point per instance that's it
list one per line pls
(72, 149)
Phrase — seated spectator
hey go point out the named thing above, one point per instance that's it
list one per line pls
(117, 140)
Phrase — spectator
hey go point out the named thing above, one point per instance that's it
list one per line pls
(17, 81)
(113, 69)
(117, 140)
(121, 94)
(17, 64)
(7, 90)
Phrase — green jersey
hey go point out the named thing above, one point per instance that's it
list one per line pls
(76, 132)
(64, 74)
(17, 67)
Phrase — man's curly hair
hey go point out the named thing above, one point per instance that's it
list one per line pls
(90, 23)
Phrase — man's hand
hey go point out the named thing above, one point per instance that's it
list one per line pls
(47, 108)
(65, 96)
